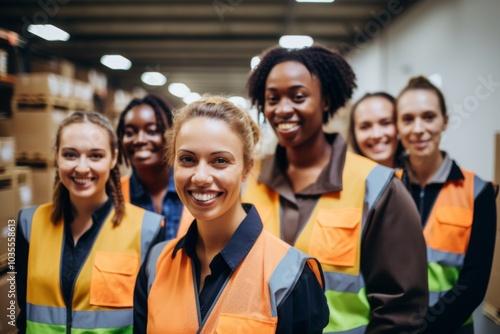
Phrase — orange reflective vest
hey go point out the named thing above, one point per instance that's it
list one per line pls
(447, 233)
(248, 302)
(103, 290)
(333, 236)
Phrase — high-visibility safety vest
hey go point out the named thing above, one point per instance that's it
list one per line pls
(103, 290)
(447, 233)
(333, 236)
(248, 301)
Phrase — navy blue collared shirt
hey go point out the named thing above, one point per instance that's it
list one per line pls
(171, 207)
(303, 311)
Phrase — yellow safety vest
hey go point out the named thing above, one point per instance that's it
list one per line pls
(333, 236)
(103, 290)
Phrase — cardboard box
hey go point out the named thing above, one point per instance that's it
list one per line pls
(35, 133)
(7, 154)
(23, 187)
(62, 67)
(7, 297)
(8, 217)
(492, 300)
(43, 184)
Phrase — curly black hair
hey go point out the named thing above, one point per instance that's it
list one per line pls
(163, 114)
(336, 76)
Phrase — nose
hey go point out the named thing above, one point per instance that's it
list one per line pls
(377, 132)
(202, 174)
(418, 126)
(140, 137)
(82, 165)
(284, 108)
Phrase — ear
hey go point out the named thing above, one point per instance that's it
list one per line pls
(247, 171)
(445, 122)
(326, 105)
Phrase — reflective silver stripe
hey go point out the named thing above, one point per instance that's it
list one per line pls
(81, 319)
(478, 185)
(343, 282)
(376, 182)
(434, 297)
(46, 314)
(444, 258)
(151, 224)
(153, 261)
(26, 220)
(358, 330)
(103, 319)
(285, 276)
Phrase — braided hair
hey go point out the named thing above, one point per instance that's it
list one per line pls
(335, 75)
(60, 198)
(163, 114)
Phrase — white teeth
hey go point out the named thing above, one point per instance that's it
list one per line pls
(82, 181)
(203, 196)
(286, 126)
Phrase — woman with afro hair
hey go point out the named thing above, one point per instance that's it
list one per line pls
(349, 212)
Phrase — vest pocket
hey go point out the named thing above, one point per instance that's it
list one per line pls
(452, 232)
(335, 236)
(233, 323)
(113, 279)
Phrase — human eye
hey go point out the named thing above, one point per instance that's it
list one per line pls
(219, 161)
(185, 159)
(129, 133)
(69, 155)
(387, 122)
(96, 156)
(407, 119)
(271, 98)
(429, 116)
(299, 97)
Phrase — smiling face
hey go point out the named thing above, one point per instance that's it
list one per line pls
(209, 169)
(293, 104)
(143, 140)
(420, 122)
(375, 130)
(84, 161)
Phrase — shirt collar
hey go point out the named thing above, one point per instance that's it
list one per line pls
(98, 216)
(238, 246)
(137, 190)
(330, 180)
(447, 171)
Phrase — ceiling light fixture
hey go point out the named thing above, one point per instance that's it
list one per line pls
(116, 62)
(179, 89)
(295, 41)
(191, 97)
(322, 1)
(153, 78)
(48, 32)
(254, 62)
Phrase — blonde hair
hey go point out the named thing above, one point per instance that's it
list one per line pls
(218, 108)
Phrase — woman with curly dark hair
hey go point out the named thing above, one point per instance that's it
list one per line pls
(350, 213)
(151, 184)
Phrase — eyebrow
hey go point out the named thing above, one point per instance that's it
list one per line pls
(213, 153)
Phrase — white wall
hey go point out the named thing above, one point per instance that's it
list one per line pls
(459, 39)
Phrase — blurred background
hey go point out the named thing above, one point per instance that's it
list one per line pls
(57, 56)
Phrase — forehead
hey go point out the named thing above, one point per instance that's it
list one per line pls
(202, 134)
(84, 134)
(290, 73)
(142, 112)
(374, 107)
(416, 100)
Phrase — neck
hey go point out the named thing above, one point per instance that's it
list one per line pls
(388, 163)
(154, 178)
(214, 235)
(314, 153)
(424, 167)
(85, 207)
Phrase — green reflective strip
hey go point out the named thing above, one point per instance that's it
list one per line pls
(441, 278)
(347, 310)
(469, 321)
(38, 328)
